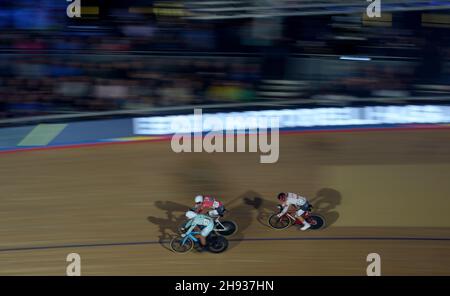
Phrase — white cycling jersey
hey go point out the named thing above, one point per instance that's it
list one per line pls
(200, 220)
(293, 200)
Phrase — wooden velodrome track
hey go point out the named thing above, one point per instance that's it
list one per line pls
(386, 192)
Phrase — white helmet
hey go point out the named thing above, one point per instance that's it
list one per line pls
(191, 214)
(198, 198)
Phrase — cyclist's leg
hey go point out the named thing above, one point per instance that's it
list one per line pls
(202, 240)
(299, 215)
(205, 232)
(198, 235)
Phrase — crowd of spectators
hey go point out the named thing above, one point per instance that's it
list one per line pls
(56, 84)
(145, 62)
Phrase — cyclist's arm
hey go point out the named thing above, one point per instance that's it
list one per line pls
(188, 223)
(200, 209)
(190, 229)
(285, 209)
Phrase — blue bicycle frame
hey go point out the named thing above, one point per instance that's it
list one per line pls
(191, 236)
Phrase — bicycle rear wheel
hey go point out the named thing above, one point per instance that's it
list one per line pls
(317, 222)
(217, 244)
(229, 228)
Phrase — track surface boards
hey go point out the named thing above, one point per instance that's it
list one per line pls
(118, 205)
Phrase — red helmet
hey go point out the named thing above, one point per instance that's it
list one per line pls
(282, 196)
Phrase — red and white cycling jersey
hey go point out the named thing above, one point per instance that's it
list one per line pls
(210, 202)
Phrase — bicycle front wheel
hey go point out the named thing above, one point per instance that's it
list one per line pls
(181, 245)
(279, 223)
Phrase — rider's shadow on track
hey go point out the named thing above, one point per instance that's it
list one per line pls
(264, 207)
(168, 227)
(237, 211)
(325, 203)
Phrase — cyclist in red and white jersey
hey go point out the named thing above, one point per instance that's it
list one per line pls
(208, 204)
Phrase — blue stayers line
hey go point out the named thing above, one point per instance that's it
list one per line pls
(233, 240)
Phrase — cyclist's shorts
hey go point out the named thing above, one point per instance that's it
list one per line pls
(305, 207)
(207, 230)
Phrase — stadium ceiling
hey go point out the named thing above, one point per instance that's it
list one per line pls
(236, 9)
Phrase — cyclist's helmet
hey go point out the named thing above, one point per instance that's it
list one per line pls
(282, 196)
(191, 214)
(198, 199)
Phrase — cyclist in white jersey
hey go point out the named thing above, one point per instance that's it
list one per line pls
(301, 204)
